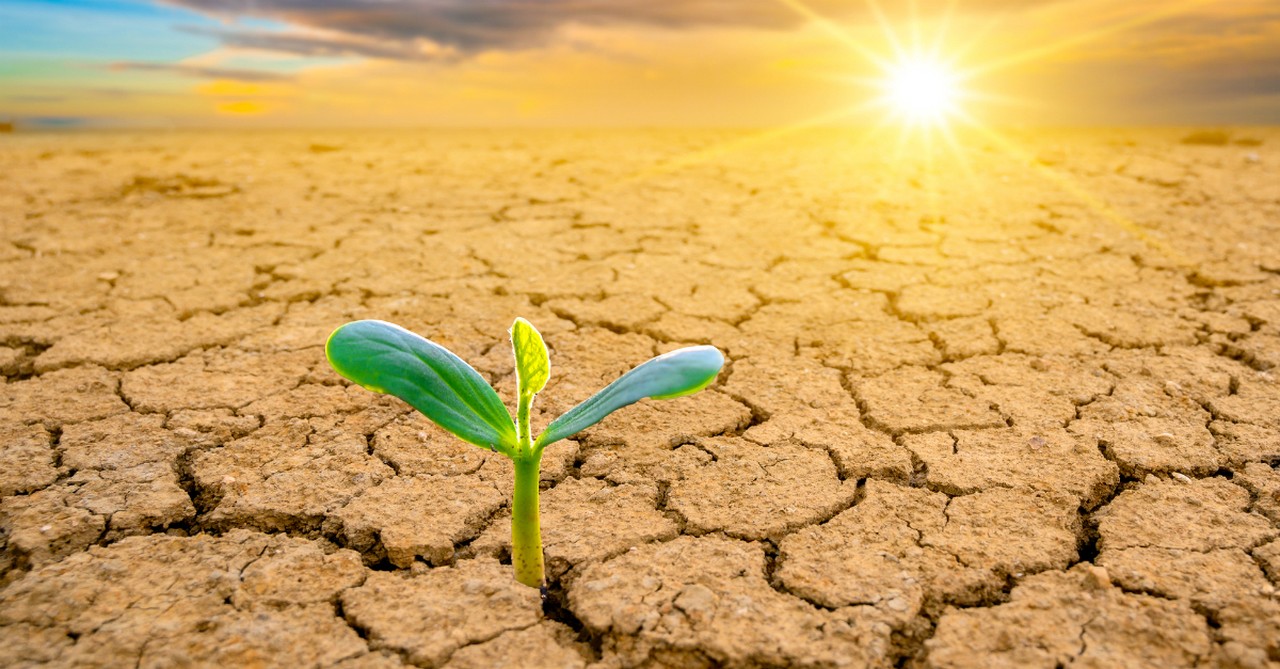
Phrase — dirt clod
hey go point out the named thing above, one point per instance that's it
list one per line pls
(427, 617)
(1072, 617)
(705, 599)
(757, 492)
(244, 597)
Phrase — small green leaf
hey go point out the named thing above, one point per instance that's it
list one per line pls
(533, 365)
(387, 358)
(674, 374)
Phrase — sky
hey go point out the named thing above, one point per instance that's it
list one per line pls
(631, 63)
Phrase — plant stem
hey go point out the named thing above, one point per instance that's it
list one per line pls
(526, 532)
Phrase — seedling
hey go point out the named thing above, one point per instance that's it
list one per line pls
(387, 358)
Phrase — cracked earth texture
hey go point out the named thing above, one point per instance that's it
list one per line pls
(1023, 414)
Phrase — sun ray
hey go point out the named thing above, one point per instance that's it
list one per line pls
(873, 130)
(917, 41)
(842, 78)
(1070, 186)
(920, 88)
(831, 28)
(930, 183)
(976, 37)
(954, 144)
(721, 148)
(887, 28)
(904, 135)
(999, 98)
(944, 28)
(1087, 36)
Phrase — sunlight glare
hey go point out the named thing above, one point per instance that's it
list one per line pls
(922, 90)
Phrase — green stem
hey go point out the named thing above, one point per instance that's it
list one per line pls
(526, 532)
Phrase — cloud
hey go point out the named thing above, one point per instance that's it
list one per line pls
(54, 121)
(475, 25)
(1214, 53)
(325, 45)
(708, 62)
(198, 71)
(432, 29)
(1209, 82)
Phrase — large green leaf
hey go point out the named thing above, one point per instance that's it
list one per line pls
(533, 365)
(387, 358)
(675, 374)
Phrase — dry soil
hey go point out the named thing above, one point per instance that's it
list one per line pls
(1015, 406)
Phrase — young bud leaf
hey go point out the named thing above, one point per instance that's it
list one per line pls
(533, 365)
(387, 358)
(674, 374)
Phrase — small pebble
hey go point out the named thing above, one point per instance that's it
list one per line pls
(1097, 578)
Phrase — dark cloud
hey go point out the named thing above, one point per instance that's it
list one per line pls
(198, 71)
(1209, 51)
(1205, 57)
(1259, 21)
(1243, 80)
(408, 29)
(473, 25)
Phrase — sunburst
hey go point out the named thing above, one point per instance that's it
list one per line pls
(924, 90)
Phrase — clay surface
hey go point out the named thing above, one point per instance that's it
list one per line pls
(969, 418)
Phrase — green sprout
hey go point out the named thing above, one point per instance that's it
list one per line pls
(389, 359)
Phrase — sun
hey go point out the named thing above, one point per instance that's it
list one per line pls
(922, 90)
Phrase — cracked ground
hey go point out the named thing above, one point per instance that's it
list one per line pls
(1005, 411)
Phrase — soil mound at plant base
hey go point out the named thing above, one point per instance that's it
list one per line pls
(968, 419)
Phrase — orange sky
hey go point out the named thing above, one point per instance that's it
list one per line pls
(628, 62)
